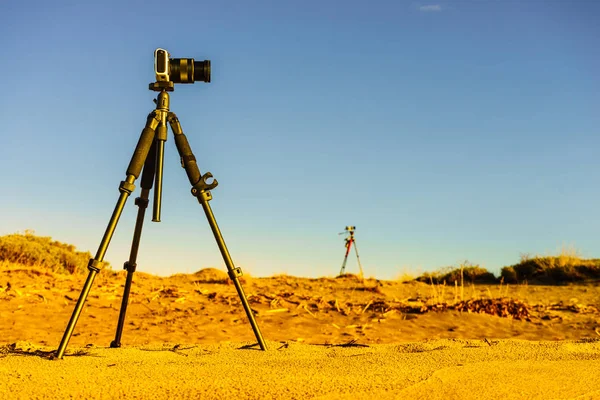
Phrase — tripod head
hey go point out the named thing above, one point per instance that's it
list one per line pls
(169, 71)
(348, 230)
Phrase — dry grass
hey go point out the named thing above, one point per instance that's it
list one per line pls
(43, 252)
(406, 275)
(567, 266)
(52, 256)
(465, 272)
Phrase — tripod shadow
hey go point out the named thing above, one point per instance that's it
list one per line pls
(253, 346)
(13, 349)
(351, 343)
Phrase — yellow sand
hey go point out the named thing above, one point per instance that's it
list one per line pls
(437, 369)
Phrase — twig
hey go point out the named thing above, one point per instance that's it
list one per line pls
(367, 306)
(278, 310)
(308, 311)
(285, 345)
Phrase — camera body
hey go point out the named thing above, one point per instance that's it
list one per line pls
(178, 70)
(161, 65)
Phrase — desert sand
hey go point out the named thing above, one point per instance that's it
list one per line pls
(186, 336)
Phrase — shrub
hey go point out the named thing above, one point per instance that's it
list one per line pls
(509, 274)
(471, 274)
(528, 269)
(31, 250)
(591, 269)
(563, 268)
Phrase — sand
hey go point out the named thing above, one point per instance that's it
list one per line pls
(438, 369)
(186, 336)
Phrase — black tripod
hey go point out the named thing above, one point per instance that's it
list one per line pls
(149, 153)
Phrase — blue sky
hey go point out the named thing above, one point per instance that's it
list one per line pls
(445, 131)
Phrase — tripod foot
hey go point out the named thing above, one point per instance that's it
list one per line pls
(114, 345)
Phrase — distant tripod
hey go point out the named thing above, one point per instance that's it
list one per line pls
(149, 154)
(349, 241)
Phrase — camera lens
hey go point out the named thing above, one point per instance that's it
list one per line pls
(186, 70)
(202, 71)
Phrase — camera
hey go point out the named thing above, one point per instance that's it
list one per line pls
(179, 70)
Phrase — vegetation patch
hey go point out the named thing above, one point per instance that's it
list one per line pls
(36, 251)
(567, 267)
(465, 273)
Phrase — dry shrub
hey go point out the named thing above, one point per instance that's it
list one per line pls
(405, 276)
(31, 250)
(509, 275)
(470, 273)
(565, 267)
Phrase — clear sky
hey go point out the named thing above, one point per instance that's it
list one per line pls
(445, 130)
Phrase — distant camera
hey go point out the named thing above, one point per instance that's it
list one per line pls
(179, 70)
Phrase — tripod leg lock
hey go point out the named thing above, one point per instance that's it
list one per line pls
(126, 187)
(235, 273)
(201, 189)
(202, 184)
(93, 265)
(202, 196)
(130, 267)
(141, 203)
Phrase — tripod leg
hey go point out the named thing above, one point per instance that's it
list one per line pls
(126, 187)
(233, 272)
(358, 259)
(159, 144)
(201, 189)
(344, 264)
(348, 245)
(130, 265)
